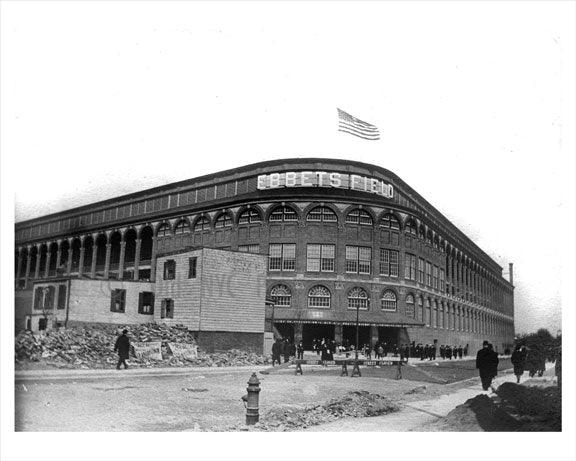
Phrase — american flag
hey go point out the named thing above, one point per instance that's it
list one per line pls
(352, 125)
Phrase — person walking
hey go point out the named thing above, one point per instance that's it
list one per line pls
(487, 364)
(460, 352)
(300, 350)
(276, 352)
(519, 361)
(122, 346)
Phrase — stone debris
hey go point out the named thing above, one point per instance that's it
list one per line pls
(416, 390)
(516, 408)
(355, 404)
(93, 348)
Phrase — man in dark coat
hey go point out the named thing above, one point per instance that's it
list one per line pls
(276, 352)
(122, 346)
(300, 350)
(487, 364)
(519, 361)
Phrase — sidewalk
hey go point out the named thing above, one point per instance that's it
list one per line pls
(414, 415)
(66, 373)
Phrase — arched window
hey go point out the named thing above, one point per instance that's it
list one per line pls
(410, 311)
(429, 238)
(182, 227)
(224, 220)
(321, 214)
(410, 227)
(358, 298)
(319, 296)
(283, 213)
(422, 233)
(388, 300)
(359, 217)
(281, 295)
(249, 216)
(390, 221)
(428, 313)
(164, 231)
(420, 308)
(202, 224)
(435, 315)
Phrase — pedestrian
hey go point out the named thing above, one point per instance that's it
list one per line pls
(460, 352)
(287, 349)
(558, 367)
(380, 353)
(122, 346)
(455, 352)
(399, 365)
(466, 348)
(368, 351)
(442, 351)
(423, 352)
(433, 351)
(300, 350)
(276, 352)
(519, 361)
(486, 363)
(448, 350)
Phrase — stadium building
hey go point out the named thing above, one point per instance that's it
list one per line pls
(346, 243)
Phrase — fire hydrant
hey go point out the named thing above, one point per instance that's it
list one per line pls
(251, 400)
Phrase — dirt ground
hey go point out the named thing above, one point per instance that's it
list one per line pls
(200, 400)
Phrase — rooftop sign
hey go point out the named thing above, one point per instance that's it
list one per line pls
(325, 179)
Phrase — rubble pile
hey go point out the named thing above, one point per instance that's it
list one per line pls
(93, 347)
(355, 404)
(514, 408)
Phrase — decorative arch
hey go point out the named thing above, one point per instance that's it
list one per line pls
(283, 213)
(249, 216)
(322, 213)
(390, 221)
(201, 224)
(410, 226)
(358, 298)
(223, 220)
(319, 297)
(282, 295)
(389, 301)
(164, 230)
(182, 227)
(359, 216)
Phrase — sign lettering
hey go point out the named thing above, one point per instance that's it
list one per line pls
(325, 179)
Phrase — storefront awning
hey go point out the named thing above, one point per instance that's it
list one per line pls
(365, 318)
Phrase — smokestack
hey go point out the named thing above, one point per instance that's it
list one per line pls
(511, 273)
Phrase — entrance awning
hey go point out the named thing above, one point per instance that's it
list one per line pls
(365, 318)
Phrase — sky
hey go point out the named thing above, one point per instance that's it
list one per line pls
(474, 102)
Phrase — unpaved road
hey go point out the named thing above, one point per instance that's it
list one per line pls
(180, 400)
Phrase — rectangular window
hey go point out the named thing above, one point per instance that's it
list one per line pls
(282, 257)
(358, 259)
(118, 300)
(192, 262)
(61, 297)
(169, 269)
(167, 309)
(146, 303)
(249, 249)
(410, 267)
(428, 274)
(421, 264)
(320, 258)
(389, 262)
(435, 277)
(442, 280)
(38, 297)
(49, 297)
